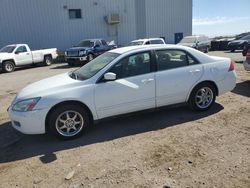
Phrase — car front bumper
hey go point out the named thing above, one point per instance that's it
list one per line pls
(76, 59)
(247, 65)
(29, 122)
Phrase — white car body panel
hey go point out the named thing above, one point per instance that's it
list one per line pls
(172, 86)
(126, 95)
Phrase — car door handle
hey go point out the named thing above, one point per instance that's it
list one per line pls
(27, 53)
(146, 81)
(195, 71)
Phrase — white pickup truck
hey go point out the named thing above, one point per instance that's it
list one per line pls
(16, 55)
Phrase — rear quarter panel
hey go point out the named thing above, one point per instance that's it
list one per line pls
(218, 72)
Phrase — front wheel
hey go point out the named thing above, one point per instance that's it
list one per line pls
(202, 97)
(90, 57)
(48, 60)
(8, 66)
(68, 121)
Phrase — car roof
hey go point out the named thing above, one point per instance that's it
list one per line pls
(91, 39)
(17, 45)
(147, 47)
(146, 39)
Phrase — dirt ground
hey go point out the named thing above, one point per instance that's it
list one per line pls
(173, 147)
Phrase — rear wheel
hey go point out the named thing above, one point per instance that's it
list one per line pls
(202, 97)
(48, 60)
(8, 66)
(68, 121)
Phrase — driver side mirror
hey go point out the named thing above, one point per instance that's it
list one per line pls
(16, 52)
(109, 76)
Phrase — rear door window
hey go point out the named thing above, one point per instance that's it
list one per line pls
(171, 59)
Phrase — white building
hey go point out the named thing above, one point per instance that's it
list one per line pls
(62, 23)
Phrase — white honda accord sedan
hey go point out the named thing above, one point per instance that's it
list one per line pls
(121, 81)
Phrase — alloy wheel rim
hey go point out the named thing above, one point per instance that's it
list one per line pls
(204, 97)
(69, 123)
(9, 67)
(48, 62)
(91, 57)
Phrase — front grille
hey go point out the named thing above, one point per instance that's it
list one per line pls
(72, 53)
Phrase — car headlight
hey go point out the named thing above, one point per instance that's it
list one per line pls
(82, 53)
(25, 105)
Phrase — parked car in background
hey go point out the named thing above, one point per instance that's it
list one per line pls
(239, 44)
(87, 50)
(146, 41)
(121, 81)
(247, 62)
(245, 49)
(199, 42)
(17, 55)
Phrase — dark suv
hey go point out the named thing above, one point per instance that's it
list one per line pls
(87, 50)
(239, 44)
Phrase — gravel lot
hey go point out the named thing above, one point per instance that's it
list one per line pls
(171, 147)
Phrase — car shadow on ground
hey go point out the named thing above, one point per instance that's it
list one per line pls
(65, 66)
(235, 52)
(242, 88)
(15, 146)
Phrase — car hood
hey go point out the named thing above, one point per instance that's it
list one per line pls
(47, 86)
(78, 49)
(4, 55)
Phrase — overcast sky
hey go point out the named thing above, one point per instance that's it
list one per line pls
(221, 17)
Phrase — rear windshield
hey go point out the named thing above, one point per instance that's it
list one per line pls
(8, 49)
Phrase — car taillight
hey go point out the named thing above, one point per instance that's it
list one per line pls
(248, 55)
(231, 67)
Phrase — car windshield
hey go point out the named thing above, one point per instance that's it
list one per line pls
(86, 43)
(135, 43)
(93, 67)
(188, 40)
(7, 49)
(245, 37)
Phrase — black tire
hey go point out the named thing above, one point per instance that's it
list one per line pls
(48, 60)
(90, 57)
(55, 126)
(195, 95)
(8, 66)
(206, 50)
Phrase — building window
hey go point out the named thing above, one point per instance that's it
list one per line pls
(75, 13)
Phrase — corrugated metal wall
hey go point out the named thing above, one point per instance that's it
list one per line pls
(46, 23)
(167, 17)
